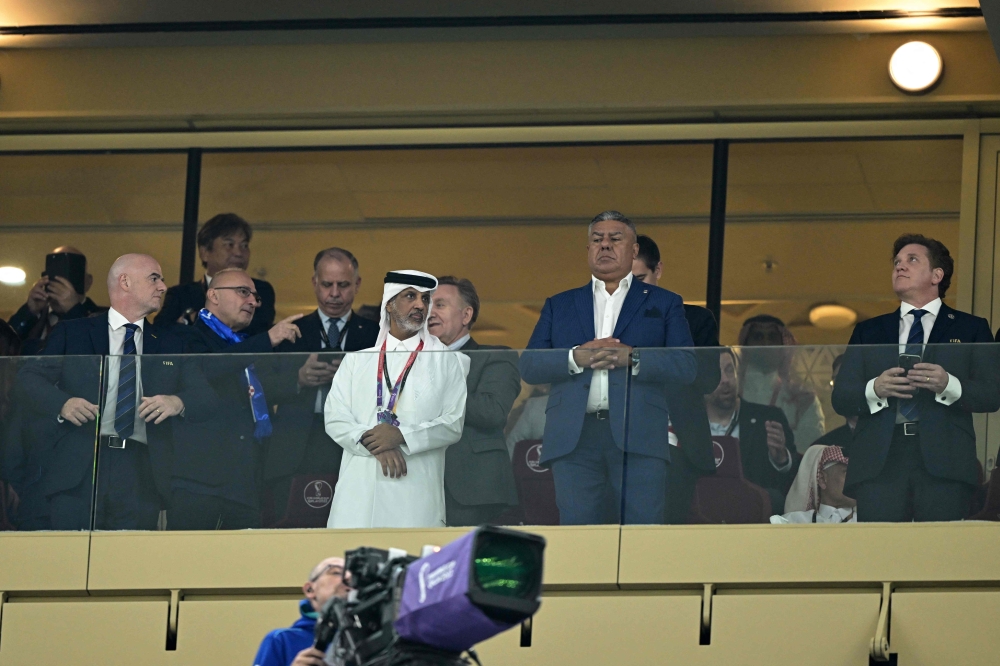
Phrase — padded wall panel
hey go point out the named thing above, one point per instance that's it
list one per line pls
(44, 561)
(84, 633)
(230, 631)
(929, 628)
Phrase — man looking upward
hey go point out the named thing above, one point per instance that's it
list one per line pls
(394, 409)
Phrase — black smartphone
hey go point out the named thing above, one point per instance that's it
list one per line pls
(907, 361)
(73, 267)
(329, 357)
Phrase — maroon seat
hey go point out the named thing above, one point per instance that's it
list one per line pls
(727, 497)
(309, 501)
(991, 509)
(535, 488)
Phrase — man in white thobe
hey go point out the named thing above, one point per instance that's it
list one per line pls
(395, 430)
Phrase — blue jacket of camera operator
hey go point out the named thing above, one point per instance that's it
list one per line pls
(280, 647)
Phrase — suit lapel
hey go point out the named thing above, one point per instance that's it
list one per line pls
(150, 343)
(634, 299)
(942, 323)
(890, 327)
(99, 335)
(585, 309)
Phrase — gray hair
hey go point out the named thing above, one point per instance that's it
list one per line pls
(613, 216)
(466, 291)
(338, 253)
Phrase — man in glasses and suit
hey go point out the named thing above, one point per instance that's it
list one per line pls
(299, 444)
(913, 454)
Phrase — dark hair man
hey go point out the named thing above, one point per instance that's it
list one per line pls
(223, 242)
(50, 301)
(913, 456)
(216, 463)
(694, 457)
(294, 646)
(600, 327)
(144, 399)
(478, 479)
(299, 444)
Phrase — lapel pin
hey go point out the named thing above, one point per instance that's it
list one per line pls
(951, 316)
(645, 291)
(753, 420)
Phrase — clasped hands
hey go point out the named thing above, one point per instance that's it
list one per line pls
(898, 383)
(603, 354)
(157, 408)
(383, 442)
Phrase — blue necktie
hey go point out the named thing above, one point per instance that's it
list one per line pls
(125, 407)
(915, 346)
(333, 328)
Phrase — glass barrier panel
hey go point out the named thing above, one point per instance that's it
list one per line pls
(48, 426)
(876, 433)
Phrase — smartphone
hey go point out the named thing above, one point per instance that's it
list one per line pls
(330, 357)
(907, 361)
(73, 267)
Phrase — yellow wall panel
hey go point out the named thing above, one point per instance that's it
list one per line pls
(47, 561)
(84, 633)
(929, 628)
(230, 631)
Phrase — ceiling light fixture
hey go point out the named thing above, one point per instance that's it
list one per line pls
(832, 316)
(12, 275)
(915, 67)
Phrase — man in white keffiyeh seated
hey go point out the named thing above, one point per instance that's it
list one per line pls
(817, 494)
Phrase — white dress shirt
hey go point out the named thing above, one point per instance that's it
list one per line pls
(825, 514)
(460, 342)
(324, 321)
(951, 393)
(116, 346)
(607, 307)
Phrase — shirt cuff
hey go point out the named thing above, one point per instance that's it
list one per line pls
(574, 369)
(782, 468)
(635, 368)
(60, 419)
(875, 403)
(951, 393)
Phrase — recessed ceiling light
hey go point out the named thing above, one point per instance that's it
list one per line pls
(832, 317)
(11, 275)
(915, 67)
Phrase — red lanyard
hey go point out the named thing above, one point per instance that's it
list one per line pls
(398, 388)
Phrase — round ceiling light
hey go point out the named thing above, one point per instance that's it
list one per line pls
(11, 275)
(915, 67)
(832, 317)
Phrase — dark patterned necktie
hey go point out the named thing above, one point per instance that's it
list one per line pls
(333, 342)
(915, 346)
(125, 407)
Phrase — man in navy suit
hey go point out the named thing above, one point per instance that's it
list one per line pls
(142, 398)
(598, 456)
(299, 444)
(913, 454)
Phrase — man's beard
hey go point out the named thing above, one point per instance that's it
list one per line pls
(402, 321)
(723, 402)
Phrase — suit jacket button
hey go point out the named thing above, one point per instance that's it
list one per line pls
(751, 420)
(242, 437)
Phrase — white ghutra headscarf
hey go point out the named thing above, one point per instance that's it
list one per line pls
(397, 282)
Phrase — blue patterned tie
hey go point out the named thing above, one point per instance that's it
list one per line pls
(333, 335)
(915, 346)
(125, 407)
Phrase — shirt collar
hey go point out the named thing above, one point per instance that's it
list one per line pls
(934, 307)
(829, 512)
(409, 344)
(208, 280)
(116, 320)
(624, 285)
(325, 319)
(458, 344)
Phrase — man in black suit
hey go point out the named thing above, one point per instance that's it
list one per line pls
(216, 481)
(689, 428)
(143, 401)
(478, 478)
(223, 242)
(299, 444)
(50, 301)
(913, 456)
(767, 445)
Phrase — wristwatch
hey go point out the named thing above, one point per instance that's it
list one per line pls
(635, 357)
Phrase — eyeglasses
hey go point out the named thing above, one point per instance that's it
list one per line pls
(243, 292)
(334, 569)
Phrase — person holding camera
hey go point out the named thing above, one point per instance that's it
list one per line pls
(294, 646)
(913, 454)
(52, 299)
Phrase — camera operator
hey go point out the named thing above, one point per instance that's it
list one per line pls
(294, 646)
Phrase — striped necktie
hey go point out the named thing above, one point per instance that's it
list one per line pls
(915, 346)
(125, 407)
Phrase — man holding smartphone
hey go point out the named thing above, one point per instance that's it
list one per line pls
(52, 299)
(913, 454)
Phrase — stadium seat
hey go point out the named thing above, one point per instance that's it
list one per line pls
(727, 497)
(535, 488)
(309, 501)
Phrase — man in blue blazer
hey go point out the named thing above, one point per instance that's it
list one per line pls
(913, 453)
(134, 411)
(597, 455)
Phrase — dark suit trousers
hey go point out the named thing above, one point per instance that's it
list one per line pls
(682, 478)
(463, 515)
(904, 490)
(71, 509)
(126, 490)
(591, 480)
(322, 456)
(192, 511)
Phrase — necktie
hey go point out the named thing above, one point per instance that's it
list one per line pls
(125, 407)
(333, 328)
(914, 345)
